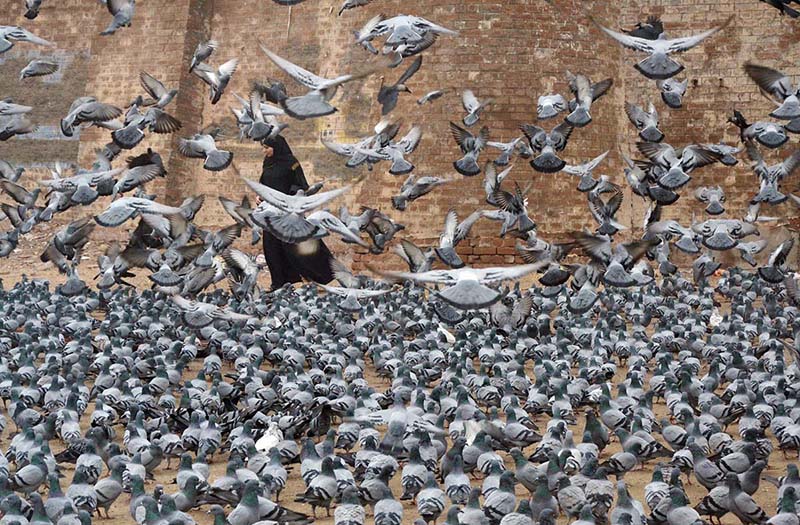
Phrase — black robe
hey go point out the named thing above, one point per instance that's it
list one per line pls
(290, 263)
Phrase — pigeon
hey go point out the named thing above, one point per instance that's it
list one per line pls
(352, 4)
(160, 95)
(783, 7)
(676, 164)
(389, 95)
(430, 96)
(15, 125)
(672, 91)
(650, 29)
(466, 288)
(771, 176)
(289, 223)
(471, 146)
(585, 93)
(203, 52)
(515, 205)
(775, 271)
(454, 232)
(217, 79)
(402, 30)
(712, 197)
(646, 122)
(32, 8)
(11, 34)
(122, 11)
(87, 109)
(617, 259)
(473, 107)
(546, 145)
(549, 106)
(507, 149)
(126, 208)
(417, 260)
(779, 88)
(584, 172)
(38, 68)
(414, 188)
(395, 152)
(768, 134)
(315, 103)
(659, 65)
(203, 146)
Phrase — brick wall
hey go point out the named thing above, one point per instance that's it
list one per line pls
(512, 51)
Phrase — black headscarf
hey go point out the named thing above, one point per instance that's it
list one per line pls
(282, 171)
(281, 152)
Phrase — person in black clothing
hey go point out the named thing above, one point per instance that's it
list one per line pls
(290, 263)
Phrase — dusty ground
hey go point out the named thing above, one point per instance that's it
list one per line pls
(26, 260)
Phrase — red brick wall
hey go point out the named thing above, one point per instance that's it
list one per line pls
(512, 51)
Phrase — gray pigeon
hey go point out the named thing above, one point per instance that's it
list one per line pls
(646, 122)
(473, 107)
(389, 95)
(38, 68)
(216, 78)
(413, 188)
(585, 93)
(712, 197)
(549, 106)
(673, 91)
(659, 65)
(87, 109)
(122, 11)
(546, 145)
(11, 34)
(471, 146)
(204, 146)
(203, 52)
(779, 88)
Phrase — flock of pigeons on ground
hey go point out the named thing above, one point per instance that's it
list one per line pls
(497, 403)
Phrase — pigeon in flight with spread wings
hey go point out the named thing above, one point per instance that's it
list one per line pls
(11, 34)
(473, 107)
(454, 232)
(659, 65)
(126, 208)
(395, 152)
(351, 288)
(284, 215)
(467, 288)
(771, 176)
(197, 314)
(122, 11)
(584, 172)
(471, 146)
(585, 93)
(616, 259)
(778, 87)
(546, 144)
(217, 79)
(315, 103)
